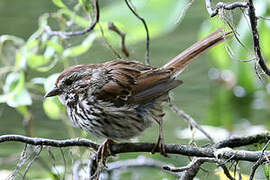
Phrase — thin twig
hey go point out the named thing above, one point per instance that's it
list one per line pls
(190, 120)
(23, 159)
(255, 36)
(108, 44)
(183, 12)
(32, 161)
(264, 18)
(259, 162)
(140, 161)
(193, 167)
(243, 141)
(222, 5)
(226, 171)
(65, 162)
(112, 27)
(53, 161)
(70, 34)
(147, 58)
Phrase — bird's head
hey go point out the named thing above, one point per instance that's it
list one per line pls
(71, 82)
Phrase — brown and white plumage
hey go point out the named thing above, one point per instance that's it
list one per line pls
(119, 99)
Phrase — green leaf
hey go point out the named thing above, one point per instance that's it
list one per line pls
(77, 19)
(9, 45)
(80, 49)
(85, 4)
(52, 108)
(48, 67)
(23, 98)
(24, 111)
(50, 81)
(59, 3)
(35, 61)
(14, 83)
(15, 93)
(54, 43)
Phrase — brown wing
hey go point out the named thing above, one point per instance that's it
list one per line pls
(133, 82)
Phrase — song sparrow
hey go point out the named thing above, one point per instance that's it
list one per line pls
(120, 99)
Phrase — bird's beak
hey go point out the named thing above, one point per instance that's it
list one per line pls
(54, 92)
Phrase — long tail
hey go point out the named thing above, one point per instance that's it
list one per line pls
(183, 59)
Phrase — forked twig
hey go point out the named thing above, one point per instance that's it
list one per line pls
(222, 5)
(191, 170)
(260, 161)
(108, 44)
(114, 28)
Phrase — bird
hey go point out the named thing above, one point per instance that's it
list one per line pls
(119, 99)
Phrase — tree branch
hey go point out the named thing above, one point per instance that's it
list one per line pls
(112, 27)
(256, 42)
(50, 142)
(77, 33)
(147, 59)
(260, 161)
(193, 168)
(186, 150)
(222, 5)
(253, 22)
(243, 141)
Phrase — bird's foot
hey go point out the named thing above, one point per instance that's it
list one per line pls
(98, 161)
(159, 146)
(104, 151)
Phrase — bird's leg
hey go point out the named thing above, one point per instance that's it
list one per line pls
(104, 150)
(98, 161)
(160, 142)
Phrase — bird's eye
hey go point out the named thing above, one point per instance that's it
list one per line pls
(68, 82)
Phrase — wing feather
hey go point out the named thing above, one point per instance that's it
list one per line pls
(133, 82)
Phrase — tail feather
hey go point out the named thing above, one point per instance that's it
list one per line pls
(183, 59)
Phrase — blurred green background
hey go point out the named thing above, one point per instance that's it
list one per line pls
(218, 91)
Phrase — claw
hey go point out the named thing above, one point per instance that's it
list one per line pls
(159, 146)
(104, 151)
(98, 162)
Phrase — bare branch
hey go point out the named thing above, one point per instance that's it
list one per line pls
(253, 22)
(140, 161)
(36, 155)
(183, 12)
(256, 42)
(70, 34)
(185, 150)
(243, 141)
(147, 59)
(112, 27)
(190, 120)
(263, 18)
(108, 44)
(64, 161)
(193, 167)
(260, 161)
(222, 5)
(50, 142)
